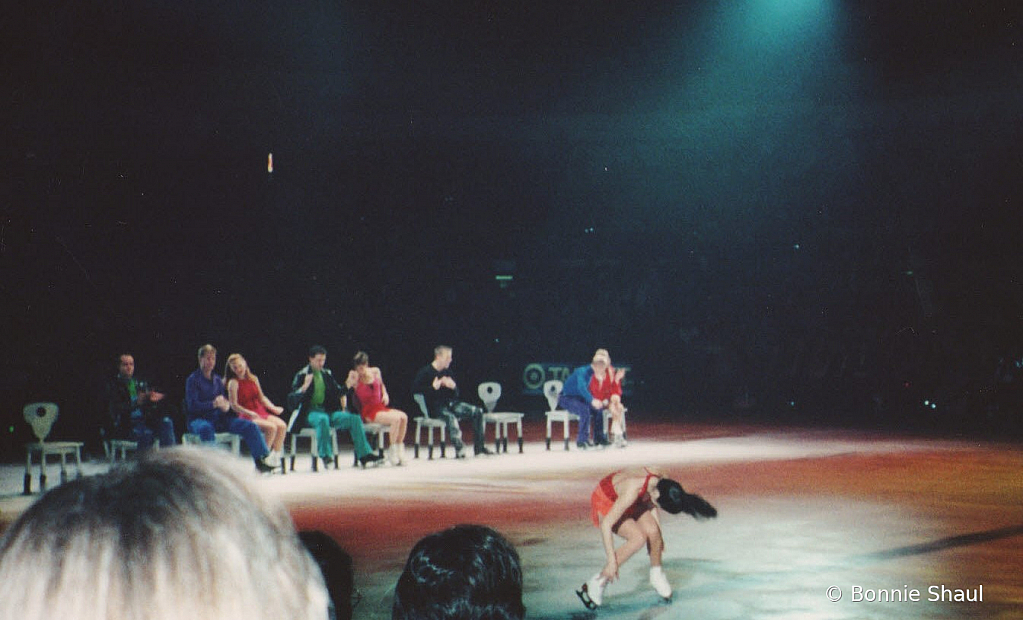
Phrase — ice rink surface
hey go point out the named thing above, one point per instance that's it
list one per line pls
(897, 527)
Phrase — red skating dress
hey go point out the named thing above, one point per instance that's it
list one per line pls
(604, 496)
(371, 399)
(248, 397)
(604, 390)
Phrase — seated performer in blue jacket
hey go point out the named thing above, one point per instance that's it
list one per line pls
(209, 412)
(587, 392)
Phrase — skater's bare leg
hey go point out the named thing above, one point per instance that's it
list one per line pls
(651, 530)
(617, 408)
(592, 592)
(635, 539)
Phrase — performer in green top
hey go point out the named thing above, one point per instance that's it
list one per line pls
(320, 401)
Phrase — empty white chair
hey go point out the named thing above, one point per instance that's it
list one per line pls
(41, 416)
(490, 392)
(430, 424)
(552, 390)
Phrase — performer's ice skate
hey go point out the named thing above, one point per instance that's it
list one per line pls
(592, 592)
(660, 582)
(392, 455)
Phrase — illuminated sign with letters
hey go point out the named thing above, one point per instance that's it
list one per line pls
(534, 375)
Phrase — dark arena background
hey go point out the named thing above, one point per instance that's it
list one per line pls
(797, 222)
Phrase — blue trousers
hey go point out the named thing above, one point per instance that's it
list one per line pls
(323, 422)
(224, 423)
(145, 437)
(588, 416)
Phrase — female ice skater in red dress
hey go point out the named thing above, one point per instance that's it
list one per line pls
(374, 404)
(248, 401)
(626, 503)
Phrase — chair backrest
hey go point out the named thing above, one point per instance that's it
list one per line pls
(490, 393)
(291, 420)
(41, 416)
(552, 390)
(421, 401)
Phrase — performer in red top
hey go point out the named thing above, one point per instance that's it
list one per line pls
(578, 397)
(606, 387)
(626, 503)
(374, 404)
(248, 401)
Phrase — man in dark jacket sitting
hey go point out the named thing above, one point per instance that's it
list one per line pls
(133, 411)
(437, 385)
(321, 405)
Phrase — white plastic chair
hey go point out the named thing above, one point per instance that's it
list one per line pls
(41, 416)
(607, 420)
(310, 434)
(221, 439)
(379, 430)
(430, 424)
(552, 390)
(490, 392)
(114, 446)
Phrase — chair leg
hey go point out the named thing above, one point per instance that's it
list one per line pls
(519, 429)
(42, 472)
(565, 426)
(28, 472)
(548, 434)
(63, 468)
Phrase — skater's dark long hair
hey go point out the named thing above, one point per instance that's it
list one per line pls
(674, 499)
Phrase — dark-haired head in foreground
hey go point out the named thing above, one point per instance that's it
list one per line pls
(338, 571)
(468, 572)
(179, 534)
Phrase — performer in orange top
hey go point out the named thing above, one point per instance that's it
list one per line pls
(626, 503)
